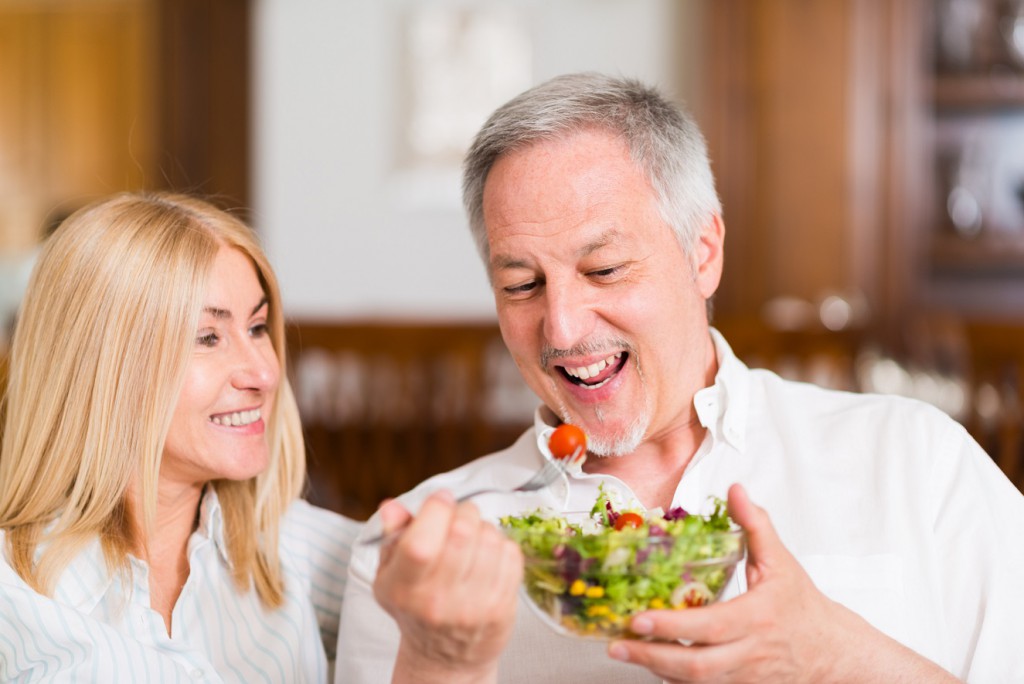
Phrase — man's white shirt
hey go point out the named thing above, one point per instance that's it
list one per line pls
(888, 504)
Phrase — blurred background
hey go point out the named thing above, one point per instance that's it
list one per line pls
(869, 155)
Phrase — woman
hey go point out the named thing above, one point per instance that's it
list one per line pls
(152, 463)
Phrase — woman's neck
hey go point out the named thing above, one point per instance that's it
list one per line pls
(165, 550)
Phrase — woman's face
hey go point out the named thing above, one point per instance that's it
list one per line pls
(218, 429)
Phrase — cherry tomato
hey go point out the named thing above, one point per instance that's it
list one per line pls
(565, 440)
(628, 519)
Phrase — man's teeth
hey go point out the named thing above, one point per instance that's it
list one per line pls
(585, 372)
(236, 419)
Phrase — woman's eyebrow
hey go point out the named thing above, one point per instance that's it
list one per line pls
(219, 314)
(263, 302)
(225, 315)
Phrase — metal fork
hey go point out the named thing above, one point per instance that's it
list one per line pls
(542, 478)
(548, 473)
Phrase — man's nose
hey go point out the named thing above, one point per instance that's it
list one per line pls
(568, 316)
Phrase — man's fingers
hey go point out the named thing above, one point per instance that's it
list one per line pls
(764, 548)
(677, 663)
(717, 623)
(423, 539)
(458, 558)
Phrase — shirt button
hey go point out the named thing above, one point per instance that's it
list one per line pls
(196, 674)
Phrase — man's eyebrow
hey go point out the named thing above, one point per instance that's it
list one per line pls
(606, 238)
(503, 262)
(603, 240)
(225, 315)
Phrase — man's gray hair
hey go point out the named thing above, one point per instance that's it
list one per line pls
(663, 140)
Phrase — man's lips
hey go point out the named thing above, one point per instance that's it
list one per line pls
(596, 374)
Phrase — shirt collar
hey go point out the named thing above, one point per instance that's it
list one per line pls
(722, 408)
(85, 580)
(211, 523)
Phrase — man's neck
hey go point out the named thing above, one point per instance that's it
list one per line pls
(654, 469)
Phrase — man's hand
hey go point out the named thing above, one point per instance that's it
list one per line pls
(450, 581)
(782, 630)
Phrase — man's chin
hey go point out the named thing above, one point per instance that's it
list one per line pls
(614, 447)
(608, 441)
(607, 435)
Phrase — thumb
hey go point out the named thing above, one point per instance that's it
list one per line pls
(393, 516)
(764, 548)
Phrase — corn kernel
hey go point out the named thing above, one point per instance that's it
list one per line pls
(656, 604)
(577, 588)
(594, 611)
(595, 592)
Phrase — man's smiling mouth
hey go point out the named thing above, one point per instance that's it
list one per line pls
(596, 374)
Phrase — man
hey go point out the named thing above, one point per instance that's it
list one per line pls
(893, 550)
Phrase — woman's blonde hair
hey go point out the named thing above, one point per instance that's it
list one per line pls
(96, 366)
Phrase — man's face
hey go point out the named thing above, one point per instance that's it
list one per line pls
(602, 310)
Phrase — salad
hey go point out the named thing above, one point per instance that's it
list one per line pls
(590, 572)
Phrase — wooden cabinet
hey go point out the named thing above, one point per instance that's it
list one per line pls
(108, 95)
(76, 118)
(855, 157)
(976, 74)
(809, 109)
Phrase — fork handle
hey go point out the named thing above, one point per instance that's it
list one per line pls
(477, 492)
(378, 538)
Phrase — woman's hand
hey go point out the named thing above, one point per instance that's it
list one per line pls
(450, 581)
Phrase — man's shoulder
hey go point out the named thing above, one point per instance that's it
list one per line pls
(768, 386)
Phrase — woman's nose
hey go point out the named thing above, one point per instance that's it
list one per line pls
(257, 367)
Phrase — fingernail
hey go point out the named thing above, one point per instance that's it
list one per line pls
(618, 651)
(642, 625)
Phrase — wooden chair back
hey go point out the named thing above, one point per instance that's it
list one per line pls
(997, 392)
(387, 405)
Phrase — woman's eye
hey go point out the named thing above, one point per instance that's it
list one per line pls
(259, 330)
(208, 340)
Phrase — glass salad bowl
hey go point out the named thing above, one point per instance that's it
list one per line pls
(587, 574)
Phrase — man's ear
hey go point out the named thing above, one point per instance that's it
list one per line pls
(708, 256)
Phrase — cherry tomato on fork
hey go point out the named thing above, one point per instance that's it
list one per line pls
(565, 440)
(628, 519)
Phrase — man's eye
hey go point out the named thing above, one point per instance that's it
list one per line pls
(522, 288)
(208, 340)
(608, 272)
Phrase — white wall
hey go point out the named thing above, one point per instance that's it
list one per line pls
(353, 227)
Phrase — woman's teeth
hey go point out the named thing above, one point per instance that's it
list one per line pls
(236, 419)
(586, 372)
